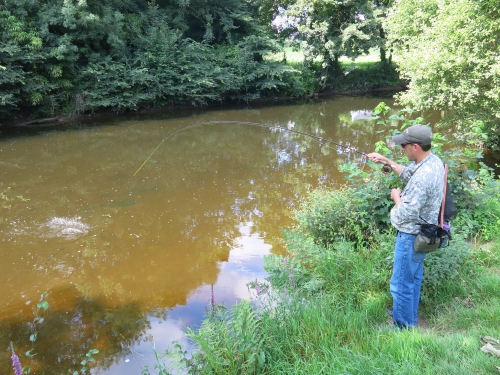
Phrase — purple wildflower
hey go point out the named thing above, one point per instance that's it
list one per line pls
(257, 289)
(291, 275)
(16, 364)
(212, 300)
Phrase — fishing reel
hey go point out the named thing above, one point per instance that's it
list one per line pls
(386, 169)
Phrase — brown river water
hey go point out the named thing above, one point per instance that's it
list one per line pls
(129, 261)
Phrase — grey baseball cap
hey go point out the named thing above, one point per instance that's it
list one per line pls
(420, 134)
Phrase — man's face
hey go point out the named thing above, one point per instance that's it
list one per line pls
(409, 150)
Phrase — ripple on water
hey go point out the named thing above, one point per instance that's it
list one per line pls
(66, 227)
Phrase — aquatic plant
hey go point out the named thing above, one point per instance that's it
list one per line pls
(41, 308)
(5, 196)
(89, 358)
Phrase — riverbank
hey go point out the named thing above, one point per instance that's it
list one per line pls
(363, 77)
(62, 120)
(323, 309)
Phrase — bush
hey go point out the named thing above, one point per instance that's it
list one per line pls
(443, 267)
(329, 216)
(479, 210)
(343, 271)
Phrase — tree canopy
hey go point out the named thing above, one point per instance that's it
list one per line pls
(69, 56)
(449, 53)
(332, 29)
(81, 56)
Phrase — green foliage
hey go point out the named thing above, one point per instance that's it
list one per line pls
(219, 22)
(329, 216)
(74, 57)
(311, 268)
(331, 29)
(296, 273)
(364, 76)
(327, 30)
(89, 358)
(304, 82)
(448, 51)
(37, 321)
(480, 210)
(228, 342)
(443, 267)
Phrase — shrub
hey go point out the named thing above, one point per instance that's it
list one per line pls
(479, 210)
(329, 216)
(343, 271)
(443, 267)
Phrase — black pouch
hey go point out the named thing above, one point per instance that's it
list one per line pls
(430, 238)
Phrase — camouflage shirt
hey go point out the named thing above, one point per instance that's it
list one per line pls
(422, 195)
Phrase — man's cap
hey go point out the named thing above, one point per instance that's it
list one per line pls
(420, 134)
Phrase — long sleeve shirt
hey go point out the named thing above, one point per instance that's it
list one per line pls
(422, 195)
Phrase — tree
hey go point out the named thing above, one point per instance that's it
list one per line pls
(75, 56)
(448, 51)
(329, 29)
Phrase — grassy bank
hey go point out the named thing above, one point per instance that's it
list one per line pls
(323, 309)
(344, 330)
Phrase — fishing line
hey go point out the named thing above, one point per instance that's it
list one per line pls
(276, 127)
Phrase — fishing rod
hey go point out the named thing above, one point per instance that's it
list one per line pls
(272, 127)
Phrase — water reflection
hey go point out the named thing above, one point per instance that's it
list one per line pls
(127, 258)
(361, 115)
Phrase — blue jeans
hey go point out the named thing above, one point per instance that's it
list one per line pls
(407, 275)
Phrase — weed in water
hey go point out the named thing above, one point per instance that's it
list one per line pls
(89, 358)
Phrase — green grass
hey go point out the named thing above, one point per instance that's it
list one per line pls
(293, 56)
(364, 73)
(345, 330)
(328, 336)
(321, 340)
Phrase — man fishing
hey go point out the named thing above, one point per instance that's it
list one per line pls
(419, 202)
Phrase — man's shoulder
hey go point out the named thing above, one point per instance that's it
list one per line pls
(435, 158)
(434, 162)
(432, 169)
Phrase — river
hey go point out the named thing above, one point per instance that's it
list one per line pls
(129, 252)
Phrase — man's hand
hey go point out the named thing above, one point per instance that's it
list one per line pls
(377, 158)
(396, 196)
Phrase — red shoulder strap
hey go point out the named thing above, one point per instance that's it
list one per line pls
(441, 218)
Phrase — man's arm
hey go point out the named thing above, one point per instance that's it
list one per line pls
(377, 158)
